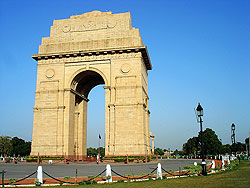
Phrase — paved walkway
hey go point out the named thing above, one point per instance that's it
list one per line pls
(21, 170)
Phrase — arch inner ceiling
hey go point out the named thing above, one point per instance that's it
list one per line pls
(87, 80)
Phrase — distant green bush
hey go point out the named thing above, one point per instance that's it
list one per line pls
(12, 180)
(85, 183)
(88, 182)
(120, 181)
(232, 164)
(67, 178)
(91, 177)
(37, 183)
(194, 169)
(171, 171)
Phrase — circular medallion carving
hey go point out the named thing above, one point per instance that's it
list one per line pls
(125, 68)
(66, 28)
(50, 73)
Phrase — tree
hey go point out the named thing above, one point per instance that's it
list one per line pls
(20, 147)
(17, 146)
(191, 147)
(238, 147)
(176, 152)
(212, 144)
(159, 151)
(91, 152)
(247, 145)
(5, 145)
(26, 148)
(102, 151)
(226, 149)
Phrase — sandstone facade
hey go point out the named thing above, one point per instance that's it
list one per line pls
(82, 52)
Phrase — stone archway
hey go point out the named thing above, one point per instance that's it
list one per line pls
(81, 85)
(82, 52)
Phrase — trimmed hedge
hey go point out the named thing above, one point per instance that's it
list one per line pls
(34, 159)
(124, 158)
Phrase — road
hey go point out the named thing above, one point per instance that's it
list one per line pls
(21, 170)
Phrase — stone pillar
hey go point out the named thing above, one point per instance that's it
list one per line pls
(159, 171)
(40, 174)
(108, 120)
(82, 129)
(153, 143)
(76, 139)
(69, 121)
(147, 125)
(108, 174)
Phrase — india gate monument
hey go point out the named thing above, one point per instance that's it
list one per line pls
(82, 52)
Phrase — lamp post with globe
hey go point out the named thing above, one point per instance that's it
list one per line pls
(199, 113)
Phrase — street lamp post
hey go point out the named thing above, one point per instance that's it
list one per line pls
(199, 111)
(249, 146)
(233, 137)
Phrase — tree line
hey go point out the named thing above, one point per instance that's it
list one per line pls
(10, 146)
(212, 145)
(93, 152)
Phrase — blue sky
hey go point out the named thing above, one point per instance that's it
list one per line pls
(200, 52)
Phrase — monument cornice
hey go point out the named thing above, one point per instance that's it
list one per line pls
(142, 49)
(48, 108)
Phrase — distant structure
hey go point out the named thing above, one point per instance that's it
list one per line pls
(82, 52)
(233, 134)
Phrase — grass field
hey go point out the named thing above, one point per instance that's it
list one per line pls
(237, 177)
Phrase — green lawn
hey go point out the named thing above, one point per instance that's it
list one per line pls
(238, 177)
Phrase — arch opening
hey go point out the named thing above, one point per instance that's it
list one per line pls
(96, 117)
(81, 86)
(85, 81)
